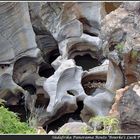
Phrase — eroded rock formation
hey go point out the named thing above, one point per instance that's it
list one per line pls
(120, 35)
(55, 55)
(17, 41)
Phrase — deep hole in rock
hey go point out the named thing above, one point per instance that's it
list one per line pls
(30, 88)
(41, 101)
(112, 47)
(70, 92)
(86, 61)
(90, 83)
(91, 34)
(53, 55)
(45, 71)
(75, 116)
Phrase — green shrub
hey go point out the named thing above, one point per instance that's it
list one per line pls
(10, 123)
(119, 47)
(108, 125)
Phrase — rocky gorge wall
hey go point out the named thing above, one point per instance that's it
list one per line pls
(70, 61)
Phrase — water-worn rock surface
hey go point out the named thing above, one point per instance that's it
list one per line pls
(72, 60)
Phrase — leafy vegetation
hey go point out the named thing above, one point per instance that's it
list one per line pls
(10, 123)
(102, 125)
(119, 47)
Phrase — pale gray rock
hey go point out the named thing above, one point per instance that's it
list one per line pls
(26, 75)
(86, 11)
(60, 17)
(17, 40)
(69, 30)
(9, 90)
(132, 6)
(101, 100)
(64, 86)
(86, 44)
(17, 35)
(98, 104)
(115, 79)
(97, 73)
(73, 128)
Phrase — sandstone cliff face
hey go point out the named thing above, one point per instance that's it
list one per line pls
(70, 58)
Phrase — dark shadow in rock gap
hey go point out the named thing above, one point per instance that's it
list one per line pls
(75, 116)
(30, 88)
(70, 92)
(90, 87)
(41, 101)
(91, 82)
(45, 71)
(53, 55)
(86, 61)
